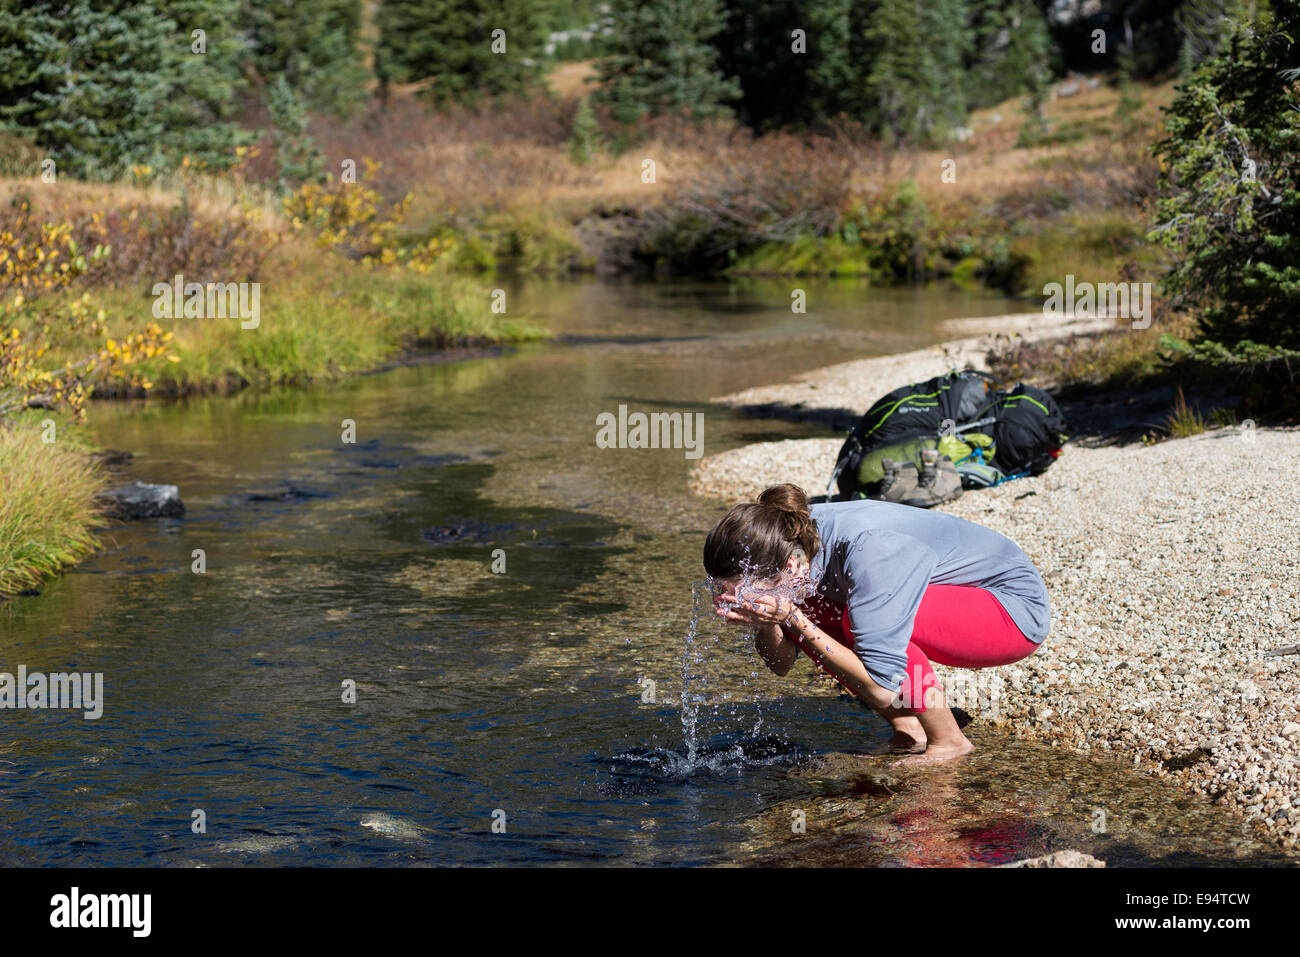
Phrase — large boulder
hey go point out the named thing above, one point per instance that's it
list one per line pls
(144, 500)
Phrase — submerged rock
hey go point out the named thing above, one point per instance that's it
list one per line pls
(290, 494)
(393, 826)
(112, 458)
(464, 530)
(144, 500)
(1059, 859)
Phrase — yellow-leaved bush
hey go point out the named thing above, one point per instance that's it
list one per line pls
(351, 218)
(38, 260)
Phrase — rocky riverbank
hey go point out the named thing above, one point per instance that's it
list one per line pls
(1172, 570)
(841, 393)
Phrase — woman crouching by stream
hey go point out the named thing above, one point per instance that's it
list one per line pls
(873, 592)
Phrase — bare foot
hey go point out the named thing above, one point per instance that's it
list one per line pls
(901, 742)
(937, 754)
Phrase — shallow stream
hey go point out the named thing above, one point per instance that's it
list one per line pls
(544, 696)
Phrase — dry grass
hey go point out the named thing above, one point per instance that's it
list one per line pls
(152, 232)
(1183, 420)
(460, 174)
(210, 197)
(513, 158)
(572, 80)
(1082, 163)
(989, 163)
(778, 190)
(1122, 357)
(481, 171)
(473, 172)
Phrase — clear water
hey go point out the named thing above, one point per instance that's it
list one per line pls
(485, 697)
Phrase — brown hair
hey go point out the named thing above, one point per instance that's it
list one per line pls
(758, 537)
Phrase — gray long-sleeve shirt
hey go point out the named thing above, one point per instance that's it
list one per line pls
(877, 558)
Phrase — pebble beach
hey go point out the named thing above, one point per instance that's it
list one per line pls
(1173, 569)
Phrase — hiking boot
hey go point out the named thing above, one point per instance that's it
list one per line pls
(899, 482)
(890, 468)
(944, 485)
(929, 468)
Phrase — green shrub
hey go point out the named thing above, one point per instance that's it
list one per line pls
(1229, 207)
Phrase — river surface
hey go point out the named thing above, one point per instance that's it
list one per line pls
(511, 602)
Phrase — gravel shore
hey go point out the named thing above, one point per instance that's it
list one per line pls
(1172, 569)
(853, 386)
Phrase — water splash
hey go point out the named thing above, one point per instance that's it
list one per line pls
(693, 671)
(645, 770)
(731, 750)
(695, 699)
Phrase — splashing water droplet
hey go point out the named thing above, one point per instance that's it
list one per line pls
(690, 699)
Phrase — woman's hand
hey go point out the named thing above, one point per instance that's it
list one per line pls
(755, 609)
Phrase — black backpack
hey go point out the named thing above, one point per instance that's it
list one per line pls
(1027, 426)
(911, 412)
(1028, 430)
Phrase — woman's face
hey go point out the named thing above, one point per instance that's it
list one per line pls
(792, 582)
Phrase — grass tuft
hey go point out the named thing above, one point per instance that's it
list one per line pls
(47, 507)
(1183, 420)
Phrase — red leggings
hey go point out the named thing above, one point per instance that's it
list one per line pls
(959, 625)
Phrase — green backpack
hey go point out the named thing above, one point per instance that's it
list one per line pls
(971, 453)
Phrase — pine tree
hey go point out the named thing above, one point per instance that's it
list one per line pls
(315, 46)
(1010, 50)
(782, 86)
(1129, 99)
(1186, 58)
(1033, 129)
(456, 45)
(1229, 206)
(1205, 26)
(210, 82)
(836, 44)
(105, 85)
(297, 158)
(913, 87)
(661, 60)
(748, 48)
(945, 24)
(585, 135)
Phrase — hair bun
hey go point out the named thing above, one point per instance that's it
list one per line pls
(787, 497)
(758, 538)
